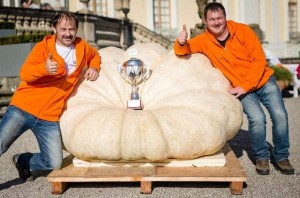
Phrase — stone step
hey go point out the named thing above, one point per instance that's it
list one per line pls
(4, 101)
(2, 112)
(6, 93)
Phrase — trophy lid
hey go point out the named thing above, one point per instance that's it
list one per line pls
(133, 62)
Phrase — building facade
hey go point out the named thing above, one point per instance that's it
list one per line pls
(279, 20)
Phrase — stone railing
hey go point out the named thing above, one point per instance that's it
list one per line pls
(290, 60)
(143, 35)
(5, 98)
(27, 21)
(7, 88)
(97, 30)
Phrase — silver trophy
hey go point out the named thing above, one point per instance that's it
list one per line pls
(134, 72)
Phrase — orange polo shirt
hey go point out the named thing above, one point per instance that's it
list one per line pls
(242, 60)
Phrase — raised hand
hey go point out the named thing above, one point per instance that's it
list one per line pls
(182, 36)
(51, 66)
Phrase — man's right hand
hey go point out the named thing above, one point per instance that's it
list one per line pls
(51, 66)
(236, 91)
(182, 36)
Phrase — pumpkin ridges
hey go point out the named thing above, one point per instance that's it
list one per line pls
(178, 90)
(154, 143)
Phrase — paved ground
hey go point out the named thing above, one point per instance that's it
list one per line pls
(273, 185)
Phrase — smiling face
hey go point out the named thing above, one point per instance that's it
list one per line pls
(216, 23)
(65, 31)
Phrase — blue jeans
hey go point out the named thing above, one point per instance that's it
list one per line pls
(15, 122)
(269, 95)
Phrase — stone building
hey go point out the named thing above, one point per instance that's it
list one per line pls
(279, 20)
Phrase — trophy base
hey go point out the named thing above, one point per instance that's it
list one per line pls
(134, 104)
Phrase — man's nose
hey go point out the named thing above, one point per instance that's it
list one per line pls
(68, 32)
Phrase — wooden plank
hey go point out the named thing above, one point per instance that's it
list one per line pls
(236, 188)
(232, 172)
(119, 173)
(146, 187)
(68, 173)
(197, 174)
(57, 188)
(217, 159)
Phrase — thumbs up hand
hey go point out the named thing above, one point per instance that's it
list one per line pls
(182, 36)
(51, 66)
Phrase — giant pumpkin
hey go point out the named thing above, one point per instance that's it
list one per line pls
(187, 113)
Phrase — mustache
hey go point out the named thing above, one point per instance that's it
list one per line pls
(68, 37)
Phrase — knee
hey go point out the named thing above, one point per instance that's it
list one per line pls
(279, 116)
(259, 119)
(52, 162)
(56, 164)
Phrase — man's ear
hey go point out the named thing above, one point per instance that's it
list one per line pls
(54, 30)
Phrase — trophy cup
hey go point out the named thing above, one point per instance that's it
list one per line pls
(134, 72)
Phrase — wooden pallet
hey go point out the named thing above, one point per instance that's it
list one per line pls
(232, 172)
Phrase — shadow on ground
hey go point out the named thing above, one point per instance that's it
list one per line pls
(241, 142)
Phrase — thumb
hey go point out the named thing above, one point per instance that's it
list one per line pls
(184, 27)
(50, 56)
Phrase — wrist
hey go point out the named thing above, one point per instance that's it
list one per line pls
(181, 43)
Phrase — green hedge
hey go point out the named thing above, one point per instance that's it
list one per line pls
(7, 25)
(282, 73)
(27, 38)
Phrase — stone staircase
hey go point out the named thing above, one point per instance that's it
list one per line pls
(5, 97)
(7, 87)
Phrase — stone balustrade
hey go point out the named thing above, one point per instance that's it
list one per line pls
(27, 21)
(97, 30)
(143, 35)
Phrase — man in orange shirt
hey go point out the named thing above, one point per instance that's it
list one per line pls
(234, 49)
(48, 76)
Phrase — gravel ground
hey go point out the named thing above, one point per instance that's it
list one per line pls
(273, 185)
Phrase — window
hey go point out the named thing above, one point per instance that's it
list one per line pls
(99, 7)
(293, 19)
(162, 17)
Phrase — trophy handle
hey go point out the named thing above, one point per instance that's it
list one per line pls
(147, 72)
(122, 73)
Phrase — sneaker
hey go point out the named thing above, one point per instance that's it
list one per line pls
(285, 167)
(24, 173)
(262, 167)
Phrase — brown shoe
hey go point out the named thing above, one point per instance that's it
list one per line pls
(285, 167)
(262, 167)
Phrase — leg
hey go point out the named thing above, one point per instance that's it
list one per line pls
(272, 100)
(236, 188)
(58, 188)
(14, 123)
(257, 126)
(49, 139)
(146, 187)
